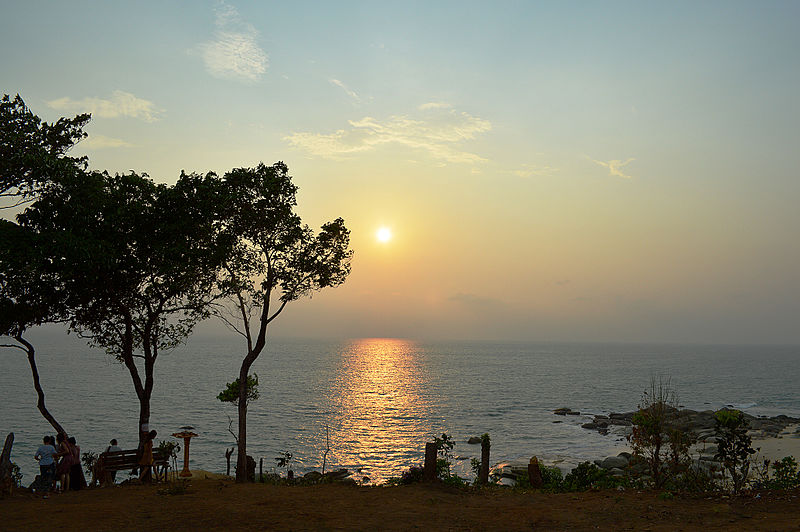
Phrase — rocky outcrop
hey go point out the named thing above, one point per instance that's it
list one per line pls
(698, 424)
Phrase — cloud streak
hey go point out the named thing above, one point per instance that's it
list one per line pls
(234, 53)
(98, 142)
(439, 132)
(353, 94)
(615, 166)
(120, 104)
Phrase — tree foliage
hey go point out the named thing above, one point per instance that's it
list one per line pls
(33, 152)
(231, 392)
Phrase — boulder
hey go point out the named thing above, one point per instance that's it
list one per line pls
(614, 462)
(474, 440)
(566, 412)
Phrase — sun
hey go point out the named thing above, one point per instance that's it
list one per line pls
(384, 234)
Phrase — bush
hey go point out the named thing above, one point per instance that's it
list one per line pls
(588, 476)
(785, 477)
(654, 438)
(734, 445)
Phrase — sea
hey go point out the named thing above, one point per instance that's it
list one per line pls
(369, 405)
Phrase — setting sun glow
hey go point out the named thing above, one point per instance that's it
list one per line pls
(384, 234)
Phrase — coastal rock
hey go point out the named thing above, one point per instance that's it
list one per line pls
(338, 475)
(566, 412)
(312, 476)
(614, 462)
(699, 426)
(473, 440)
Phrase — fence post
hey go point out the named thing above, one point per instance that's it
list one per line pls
(429, 473)
(485, 446)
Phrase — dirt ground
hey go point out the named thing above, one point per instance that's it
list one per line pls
(217, 504)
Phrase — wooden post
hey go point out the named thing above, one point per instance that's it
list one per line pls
(6, 480)
(485, 446)
(429, 473)
(228, 454)
(261, 469)
(535, 474)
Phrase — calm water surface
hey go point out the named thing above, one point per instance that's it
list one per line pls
(378, 400)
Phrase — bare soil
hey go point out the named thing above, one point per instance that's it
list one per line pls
(217, 504)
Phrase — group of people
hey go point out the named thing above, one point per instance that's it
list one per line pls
(60, 464)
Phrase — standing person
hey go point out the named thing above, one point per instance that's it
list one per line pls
(146, 460)
(47, 463)
(76, 478)
(65, 456)
(113, 448)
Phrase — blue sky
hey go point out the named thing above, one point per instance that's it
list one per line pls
(552, 171)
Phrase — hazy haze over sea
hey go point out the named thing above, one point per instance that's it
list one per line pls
(381, 399)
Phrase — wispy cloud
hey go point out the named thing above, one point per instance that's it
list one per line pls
(350, 92)
(438, 131)
(530, 170)
(434, 105)
(120, 104)
(98, 142)
(234, 53)
(615, 166)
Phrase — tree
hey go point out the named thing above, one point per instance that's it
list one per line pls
(32, 158)
(33, 152)
(27, 299)
(137, 262)
(276, 260)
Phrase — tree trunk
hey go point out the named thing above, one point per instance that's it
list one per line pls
(29, 350)
(241, 448)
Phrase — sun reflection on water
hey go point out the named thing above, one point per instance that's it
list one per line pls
(378, 405)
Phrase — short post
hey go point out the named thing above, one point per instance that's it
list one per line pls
(228, 453)
(429, 473)
(485, 446)
(261, 469)
(186, 435)
(535, 474)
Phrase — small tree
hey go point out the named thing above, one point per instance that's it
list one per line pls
(652, 425)
(734, 445)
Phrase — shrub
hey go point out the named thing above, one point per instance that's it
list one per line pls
(654, 438)
(734, 445)
(588, 476)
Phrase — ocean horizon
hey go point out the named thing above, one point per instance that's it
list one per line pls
(378, 400)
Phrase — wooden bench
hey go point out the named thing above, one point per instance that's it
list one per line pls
(127, 460)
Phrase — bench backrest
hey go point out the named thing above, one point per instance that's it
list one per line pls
(128, 459)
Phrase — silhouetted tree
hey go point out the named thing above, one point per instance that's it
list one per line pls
(33, 152)
(136, 262)
(27, 299)
(277, 259)
(33, 157)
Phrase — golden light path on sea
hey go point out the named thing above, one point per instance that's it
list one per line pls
(380, 410)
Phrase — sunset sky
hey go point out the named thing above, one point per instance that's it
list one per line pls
(589, 171)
